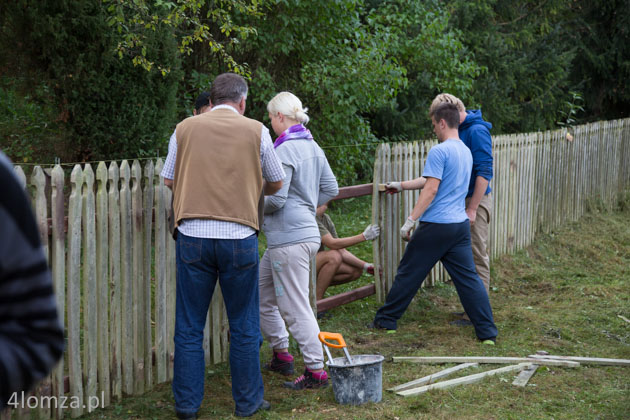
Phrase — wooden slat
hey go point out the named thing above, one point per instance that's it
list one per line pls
(346, 297)
(160, 312)
(426, 380)
(499, 360)
(126, 281)
(102, 281)
(147, 209)
(74, 291)
(585, 360)
(354, 191)
(89, 287)
(524, 376)
(137, 254)
(115, 301)
(58, 270)
(463, 380)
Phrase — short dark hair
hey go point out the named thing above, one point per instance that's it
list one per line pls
(228, 87)
(447, 112)
(202, 100)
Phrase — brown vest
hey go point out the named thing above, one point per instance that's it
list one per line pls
(217, 170)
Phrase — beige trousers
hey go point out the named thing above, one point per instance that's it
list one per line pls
(479, 239)
(284, 297)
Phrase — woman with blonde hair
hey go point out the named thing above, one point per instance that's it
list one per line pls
(292, 241)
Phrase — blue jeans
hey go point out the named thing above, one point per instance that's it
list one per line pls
(200, 263)
(430, 243)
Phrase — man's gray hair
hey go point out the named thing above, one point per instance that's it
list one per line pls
(228, 87)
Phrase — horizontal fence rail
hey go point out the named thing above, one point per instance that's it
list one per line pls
(541, 180)
(112, 258)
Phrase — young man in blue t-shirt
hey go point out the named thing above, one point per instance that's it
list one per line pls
(443, 233)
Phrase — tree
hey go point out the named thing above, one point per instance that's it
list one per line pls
(109, 108)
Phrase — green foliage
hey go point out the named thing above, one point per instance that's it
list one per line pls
(523, 47)
(110, 109)
(192, 21)
(572, 108)
(602, 66)
(434, 58)
(27, 127)
(338, 67)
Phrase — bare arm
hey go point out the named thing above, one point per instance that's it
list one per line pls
(168, 183)
(414, 184)
(339, 243)
(351, 259)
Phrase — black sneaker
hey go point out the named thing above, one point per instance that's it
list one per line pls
(280, 366)
(307, 381)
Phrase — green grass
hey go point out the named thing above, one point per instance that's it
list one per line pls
(562, 295)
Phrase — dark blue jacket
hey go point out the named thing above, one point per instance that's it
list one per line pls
(475, 133)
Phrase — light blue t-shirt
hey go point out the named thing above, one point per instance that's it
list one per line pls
(451, 163)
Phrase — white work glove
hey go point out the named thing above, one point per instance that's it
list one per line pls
(393, 187)
(406, 228)
(371, 232)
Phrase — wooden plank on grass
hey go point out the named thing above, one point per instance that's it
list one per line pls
(433, 377)
(583, 360)
(524, 376)
(497, 360)
(470, 379)
(343, 298)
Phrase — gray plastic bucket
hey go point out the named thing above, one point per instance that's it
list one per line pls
(359, 382)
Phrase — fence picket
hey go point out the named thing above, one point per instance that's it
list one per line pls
(115, 270)
(58, 256)
(126, 280)
(102, 281)
(161, 361)
(74, 291)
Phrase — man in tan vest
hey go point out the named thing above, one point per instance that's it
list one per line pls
(218, 165)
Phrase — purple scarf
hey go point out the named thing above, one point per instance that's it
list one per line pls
(295, 132)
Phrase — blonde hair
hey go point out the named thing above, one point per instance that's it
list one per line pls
(446, 98)
(288, 105)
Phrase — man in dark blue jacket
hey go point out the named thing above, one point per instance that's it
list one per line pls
(474, 131)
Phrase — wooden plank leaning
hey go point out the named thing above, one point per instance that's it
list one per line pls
(429, 379)
(492, 360)
(463, 380)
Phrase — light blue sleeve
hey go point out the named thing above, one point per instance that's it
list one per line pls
(434, 166)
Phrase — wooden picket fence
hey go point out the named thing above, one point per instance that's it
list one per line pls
(113, 264)
(541, 180)
(113, 259)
